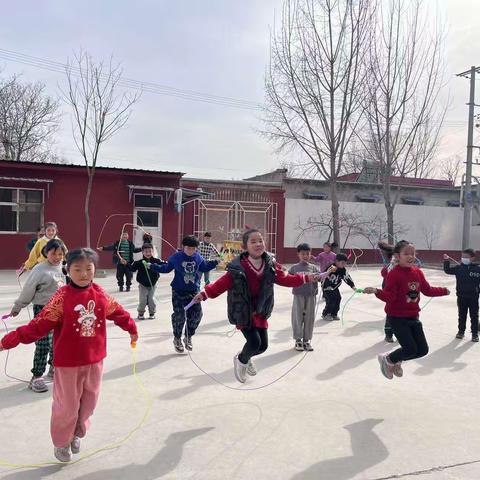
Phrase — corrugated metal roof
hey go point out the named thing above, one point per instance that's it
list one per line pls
(72, 165)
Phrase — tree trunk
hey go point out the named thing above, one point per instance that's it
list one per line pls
(390, 231)
(335, 211)
(87, 209)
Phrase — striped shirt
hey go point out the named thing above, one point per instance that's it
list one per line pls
(124, 250)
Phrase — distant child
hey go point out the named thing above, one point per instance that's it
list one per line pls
(123, 251)
(148, 238)
(327, 257)
(387, 254)
(304, 300)
(77, 314)
(249, 280)
(147, 280)
(207, 250)
(468, 278)
(39, 234)
(36, 256)
(331, 287)
(188, 265)
(401, 295)
(42, 283)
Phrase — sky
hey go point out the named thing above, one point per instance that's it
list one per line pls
(218, 47)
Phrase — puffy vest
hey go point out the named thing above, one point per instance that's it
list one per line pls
(239, 299)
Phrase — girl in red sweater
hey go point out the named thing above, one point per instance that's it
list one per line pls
(249, 280)
(77, 314)
(401, 293)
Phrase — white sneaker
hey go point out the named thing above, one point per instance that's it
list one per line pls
(38, 385)
(63, 454)
(240, 369)
(251, 369)
(299, 345)
(308, 346)
(75, 445)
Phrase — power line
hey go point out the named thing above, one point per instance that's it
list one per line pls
(149, 87)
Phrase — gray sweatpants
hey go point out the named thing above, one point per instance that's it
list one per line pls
(303, 316)
(146, 297)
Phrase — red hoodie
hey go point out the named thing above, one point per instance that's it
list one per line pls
(77, 317)
(401, 293)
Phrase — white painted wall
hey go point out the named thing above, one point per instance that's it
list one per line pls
(444, 222)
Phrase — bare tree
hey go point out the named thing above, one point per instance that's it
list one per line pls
(404, 82)
(99, 111)
(430, 234)
(29, 118)
(352, 225)
(450, 168)
(313, 82)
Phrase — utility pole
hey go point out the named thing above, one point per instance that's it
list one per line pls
(467, 197)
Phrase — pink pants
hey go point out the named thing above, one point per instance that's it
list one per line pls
(75, 395)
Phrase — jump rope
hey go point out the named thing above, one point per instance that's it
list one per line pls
(110, 446)
(142, 388)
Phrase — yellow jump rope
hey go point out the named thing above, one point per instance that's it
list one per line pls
(111, 446)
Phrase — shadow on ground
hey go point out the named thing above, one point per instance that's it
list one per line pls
(164, 462)
(367, 450)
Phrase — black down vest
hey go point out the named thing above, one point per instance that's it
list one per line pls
(239, 299)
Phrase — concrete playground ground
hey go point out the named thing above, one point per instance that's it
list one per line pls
(333, 417)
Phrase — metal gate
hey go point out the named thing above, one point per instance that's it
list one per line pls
(228, 219)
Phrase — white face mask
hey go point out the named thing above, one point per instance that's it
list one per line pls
(466, 261)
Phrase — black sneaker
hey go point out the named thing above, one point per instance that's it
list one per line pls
(188, 343)
(120, 289)
(389, 339)
(475, 338)
(460, 335)
(127, 289)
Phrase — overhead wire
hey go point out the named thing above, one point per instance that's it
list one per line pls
(144, 86)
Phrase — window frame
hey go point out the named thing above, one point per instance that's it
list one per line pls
(151, 195)
(18, 204)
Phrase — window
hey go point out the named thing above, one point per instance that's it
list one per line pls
(147, 218)
(21, 210)
(367, 198)
(412, 201)
(152, 201)
(315, 195)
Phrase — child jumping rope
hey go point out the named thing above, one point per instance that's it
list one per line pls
(401, 294)
(188, 265)
(44, 280)
(77, 314)
(249, 281)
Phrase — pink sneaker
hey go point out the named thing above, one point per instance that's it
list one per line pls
(385, 366)
(397, 369)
